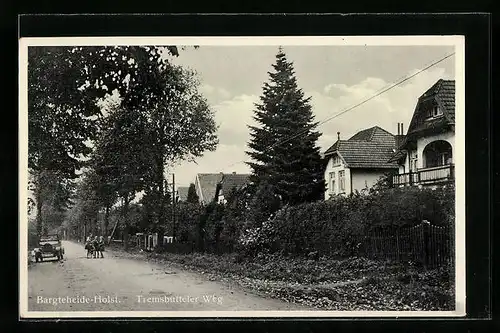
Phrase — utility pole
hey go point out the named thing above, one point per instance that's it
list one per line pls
(174, 199)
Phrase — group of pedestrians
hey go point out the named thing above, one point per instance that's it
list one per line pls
(94, 246)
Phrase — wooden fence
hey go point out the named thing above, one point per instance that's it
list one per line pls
(425, 243)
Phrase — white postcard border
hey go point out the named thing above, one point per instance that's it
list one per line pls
(450, 40)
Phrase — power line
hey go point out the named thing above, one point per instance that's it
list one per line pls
(378, 93)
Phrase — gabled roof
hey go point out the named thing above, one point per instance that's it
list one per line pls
(230, 181)
(369, 148)
(367, 154)
(442, 93)
(374, 133)
(182, 191)
(208, 183)
(398, 156)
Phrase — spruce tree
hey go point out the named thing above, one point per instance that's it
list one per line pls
(192, 197)
(283, 148)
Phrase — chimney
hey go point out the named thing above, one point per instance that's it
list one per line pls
(338, 136)
(400, 136)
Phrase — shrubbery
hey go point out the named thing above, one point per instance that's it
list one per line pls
(334, 226)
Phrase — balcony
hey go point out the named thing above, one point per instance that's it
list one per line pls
(428, 176)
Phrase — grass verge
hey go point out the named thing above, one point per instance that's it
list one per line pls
(352, 284)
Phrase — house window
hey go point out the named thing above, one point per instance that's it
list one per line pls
(336, 161)
(342, 181)
(434, 112)
(332, 182)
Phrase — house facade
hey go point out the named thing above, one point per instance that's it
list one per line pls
(358, 163)
(426, 155)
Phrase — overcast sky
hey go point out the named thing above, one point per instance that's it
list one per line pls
(335, 77)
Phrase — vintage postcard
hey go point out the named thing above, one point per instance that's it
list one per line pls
(242, 177)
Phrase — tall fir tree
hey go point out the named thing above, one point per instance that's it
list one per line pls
(285, 156)
(192, 197)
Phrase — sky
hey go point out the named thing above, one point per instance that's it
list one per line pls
(335, 77)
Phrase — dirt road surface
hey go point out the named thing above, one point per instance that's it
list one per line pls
(118, 283)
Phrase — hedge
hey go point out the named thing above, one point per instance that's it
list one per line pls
(332, 226)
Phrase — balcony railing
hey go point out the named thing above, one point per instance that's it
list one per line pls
(427, 176)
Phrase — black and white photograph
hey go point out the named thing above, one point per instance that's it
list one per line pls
(242, 177)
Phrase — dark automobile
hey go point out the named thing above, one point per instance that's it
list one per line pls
(49, 247)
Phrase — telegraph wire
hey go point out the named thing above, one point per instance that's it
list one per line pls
(378, 93)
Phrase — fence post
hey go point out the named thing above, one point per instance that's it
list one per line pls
(426, 241)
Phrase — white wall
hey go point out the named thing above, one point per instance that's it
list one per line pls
(362, 178)
(423, 142)
(336, 168)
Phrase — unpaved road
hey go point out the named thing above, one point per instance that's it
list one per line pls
(117, 283)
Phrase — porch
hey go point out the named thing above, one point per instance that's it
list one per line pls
(427, 176)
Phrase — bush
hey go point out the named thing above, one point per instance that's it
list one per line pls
(336, 227)
(187, 217)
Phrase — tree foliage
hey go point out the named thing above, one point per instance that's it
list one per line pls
(331, 226)
(64, 87)
(172, 121)
(192, 196)
(120, 157)
(283, 148)
(54, 195)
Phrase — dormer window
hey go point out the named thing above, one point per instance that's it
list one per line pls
(336, 160)
(434, 112)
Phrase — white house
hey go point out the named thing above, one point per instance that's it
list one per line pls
(426, 155)
(358, 163)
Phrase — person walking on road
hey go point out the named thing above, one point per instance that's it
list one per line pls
(95, 243)
(100, 246)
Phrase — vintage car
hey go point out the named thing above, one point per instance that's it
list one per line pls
(49, 247)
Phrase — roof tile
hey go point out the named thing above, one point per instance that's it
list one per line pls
(209, 181)
(369, 148)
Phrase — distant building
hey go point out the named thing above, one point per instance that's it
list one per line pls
(426, 155)
(182, 193)
(213, 186)
(231, 182)
(359, 162)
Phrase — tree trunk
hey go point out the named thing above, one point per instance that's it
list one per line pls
(161, 196)
(96, 224)
(39, 221)
(127, 225)
(84, 232)
(106, 222)
(39, 204)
